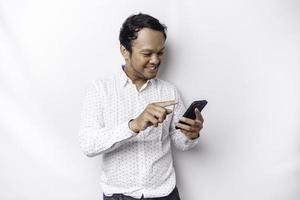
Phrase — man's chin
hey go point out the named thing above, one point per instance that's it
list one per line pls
(150, 76)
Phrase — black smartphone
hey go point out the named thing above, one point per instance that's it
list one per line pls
(190, 112)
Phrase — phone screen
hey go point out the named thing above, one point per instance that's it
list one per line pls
(190, 112)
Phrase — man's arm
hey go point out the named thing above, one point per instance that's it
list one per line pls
(153, 114)
(186, 137)
(94, 137)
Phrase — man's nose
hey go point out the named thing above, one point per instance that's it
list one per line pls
(154, 59)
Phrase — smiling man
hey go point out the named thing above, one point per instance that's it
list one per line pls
(129, 119)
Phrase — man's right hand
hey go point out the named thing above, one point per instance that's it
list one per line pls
(153, 114)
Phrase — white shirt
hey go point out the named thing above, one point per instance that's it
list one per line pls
(132, 164)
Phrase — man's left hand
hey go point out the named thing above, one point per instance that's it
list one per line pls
(192, 127)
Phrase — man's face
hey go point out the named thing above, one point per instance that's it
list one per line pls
(147, 52)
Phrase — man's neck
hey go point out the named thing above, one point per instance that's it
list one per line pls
(138, 82)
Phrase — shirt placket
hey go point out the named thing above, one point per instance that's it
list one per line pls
(141, 144)
(140, 106)
(141, 147)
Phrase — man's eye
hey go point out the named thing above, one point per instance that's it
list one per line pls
(160, 53)
(147, 54)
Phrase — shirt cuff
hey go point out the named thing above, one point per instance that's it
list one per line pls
(123, 132)
(187, 140)
(132, 133)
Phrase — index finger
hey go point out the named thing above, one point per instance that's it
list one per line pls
(165, 103)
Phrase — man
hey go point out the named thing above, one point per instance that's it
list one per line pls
(130, 119)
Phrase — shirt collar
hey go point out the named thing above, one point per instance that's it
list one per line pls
(124, 79)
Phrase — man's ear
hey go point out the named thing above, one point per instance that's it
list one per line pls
(125, 53)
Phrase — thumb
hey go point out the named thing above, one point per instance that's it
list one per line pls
(198, 115)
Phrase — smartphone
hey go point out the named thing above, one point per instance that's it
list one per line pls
(190, 112)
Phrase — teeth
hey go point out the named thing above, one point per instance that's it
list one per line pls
(151, 68)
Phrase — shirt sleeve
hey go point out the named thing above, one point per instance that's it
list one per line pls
(179, 139)
(94, 137)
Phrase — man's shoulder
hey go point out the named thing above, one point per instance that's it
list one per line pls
(104, 81)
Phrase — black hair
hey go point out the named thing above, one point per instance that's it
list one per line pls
(134, 23)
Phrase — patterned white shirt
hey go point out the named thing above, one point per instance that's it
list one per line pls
(133, 164)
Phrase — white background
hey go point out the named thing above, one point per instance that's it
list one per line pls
(243, 56)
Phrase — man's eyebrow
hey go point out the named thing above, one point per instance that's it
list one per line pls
(150, 50)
